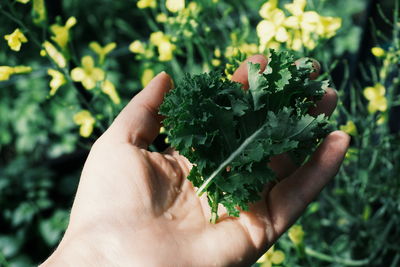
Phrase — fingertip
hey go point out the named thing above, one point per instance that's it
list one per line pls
(316, 66)
(341, 137)
(240, 74)
(327, 104)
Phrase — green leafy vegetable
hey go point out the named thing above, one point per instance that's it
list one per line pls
(230, 134)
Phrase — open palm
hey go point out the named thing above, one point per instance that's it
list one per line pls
(136, 208)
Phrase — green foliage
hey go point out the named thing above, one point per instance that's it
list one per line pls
(230, 134)
(353, 223)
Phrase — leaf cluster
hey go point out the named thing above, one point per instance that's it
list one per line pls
(229, 134)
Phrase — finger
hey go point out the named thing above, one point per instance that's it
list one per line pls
(291, 196)
(316, 66)
(326, 105)
(139, 122)
(240, 74)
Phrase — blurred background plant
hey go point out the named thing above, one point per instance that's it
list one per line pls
(65, 73)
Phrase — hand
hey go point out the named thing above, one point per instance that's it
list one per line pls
(136, 208)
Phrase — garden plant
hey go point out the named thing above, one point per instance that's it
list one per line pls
(68, 68)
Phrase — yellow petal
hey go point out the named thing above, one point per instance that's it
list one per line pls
(370, 93)
(22, 69)
(70, 22)
(265, 31)
(281, 35)
(146, 3)
(380, 89)
(328, 26)
(381, 103)
(147, 76)
(109, 89)
(6, 72)
(110, 47)
(277, 17)
(297, 7)
(87, 62)
(83, 116)
(86, 129)
(53, 53)
(175, 5)
(165, 49)
(57, 80)
(296, 233)
(349, 128)
(97, 74)
(267, 8)
(88, 83)
(137, 47)
(310, 21)
(157, 37)
(377, 51)
(95, 46)
(278, 257)
(78, 74)
(161, 18)
(262, 259)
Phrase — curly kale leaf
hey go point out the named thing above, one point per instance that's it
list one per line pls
(230, 134)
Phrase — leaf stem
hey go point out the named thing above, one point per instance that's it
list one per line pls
(234, 154)
(214, 208)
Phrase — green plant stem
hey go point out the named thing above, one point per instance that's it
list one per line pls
(328, 258)
(214, 208)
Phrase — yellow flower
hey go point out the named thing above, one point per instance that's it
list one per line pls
(272, 28)
(162, 130)
(86, 122)
(165, 47)
(377, 51)
(102, 52)
(61, 33)
(137, 47)
(376, 98)
(306, 21)
(88, 75)
(349, 128)
(6, 72)
(271, 257)
(146, 3)
(15, 39)
(23, 1)
(57, 80)
(309, 23)
(161, 18)
(215, 62)
(267, 8)
(296, 234)
(217, 52)
(147, 76)
(39, 11)
(54, 54)
(328, 26)
(175, 5)
(109, 89)
(157, 37)
(248, 49)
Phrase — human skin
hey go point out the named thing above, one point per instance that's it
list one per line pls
(136, 208)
